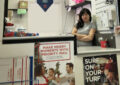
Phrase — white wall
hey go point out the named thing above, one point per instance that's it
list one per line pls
(13, 4)
(1, 19)
(55, 21)
(20, 20)
(15, 50)
(50, 22)
(117, 37)
(68, 19)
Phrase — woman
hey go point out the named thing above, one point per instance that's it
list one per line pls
(84, 29)
(40, 75)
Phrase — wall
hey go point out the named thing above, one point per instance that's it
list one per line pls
(57, 18)
(117, 41)
(48, 22)
(16, 50)
(54, 21)
(1, 19)
(118, 23)
(20, 20)
(68, 19)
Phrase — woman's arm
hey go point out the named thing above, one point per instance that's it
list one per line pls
(88, 37)
(84, 37)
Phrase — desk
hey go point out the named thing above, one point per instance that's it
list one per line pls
(90, 52)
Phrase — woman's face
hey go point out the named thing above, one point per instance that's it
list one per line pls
(86, 18)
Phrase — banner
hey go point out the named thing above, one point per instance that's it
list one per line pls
(54, 63)
(15, 69)
(101, 70)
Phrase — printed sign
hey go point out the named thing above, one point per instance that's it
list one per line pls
(55, 65)
(15, 69)
(55, 51)
(101, 70)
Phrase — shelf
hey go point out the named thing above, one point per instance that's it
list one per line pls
(80, 4)
(34, 39)
(15, 9)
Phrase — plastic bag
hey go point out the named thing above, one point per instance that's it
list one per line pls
(79, 1)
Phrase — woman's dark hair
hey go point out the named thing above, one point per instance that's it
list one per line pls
(80, 21)
(38, 70)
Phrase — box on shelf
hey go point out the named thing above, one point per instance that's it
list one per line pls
(21, 11)
(23, 4)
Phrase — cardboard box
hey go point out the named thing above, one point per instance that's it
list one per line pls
(23, 4)
(10, 14)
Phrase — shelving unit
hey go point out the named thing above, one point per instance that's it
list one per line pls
(80, 4)
(15, 9)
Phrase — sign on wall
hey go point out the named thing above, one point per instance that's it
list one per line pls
(54, 58)
(55, 51)
(14, 70)
(101, 70)
(45, 4)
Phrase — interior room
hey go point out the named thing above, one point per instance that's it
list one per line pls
(59, 42)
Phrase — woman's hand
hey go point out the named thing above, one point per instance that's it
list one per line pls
(74, 31)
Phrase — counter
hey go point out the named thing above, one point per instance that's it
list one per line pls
(89, 52)
(53, 50)
(96, 50)
(41, 38)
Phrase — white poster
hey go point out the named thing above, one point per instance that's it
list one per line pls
(15, 69)
(54, 63)
(55, 51)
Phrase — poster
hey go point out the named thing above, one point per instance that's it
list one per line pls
(54, 63)
(14, 69)
(101, 70)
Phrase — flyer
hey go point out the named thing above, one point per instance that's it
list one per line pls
(15, 69)
(101, 70)
(54, 63)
